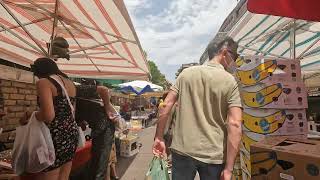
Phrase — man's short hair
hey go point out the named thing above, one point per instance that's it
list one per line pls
(87, 81)
(215, 47)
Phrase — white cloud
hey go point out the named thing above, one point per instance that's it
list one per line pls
(137, 4)
(180, 32)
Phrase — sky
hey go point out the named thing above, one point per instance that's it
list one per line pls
(174, 32)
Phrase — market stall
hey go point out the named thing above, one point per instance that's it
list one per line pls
(82, 156)
(140, 115)
(92, 39)
(279, 63)
(109, 49)
(278, 50)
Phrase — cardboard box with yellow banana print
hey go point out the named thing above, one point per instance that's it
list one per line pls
(245, 176)
(257, 69)
(245, 165)
(275, 121)
(280, 157)
(237, 171)
(248, 138)
(275, 95)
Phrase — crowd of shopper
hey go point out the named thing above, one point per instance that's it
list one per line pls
(199, 119)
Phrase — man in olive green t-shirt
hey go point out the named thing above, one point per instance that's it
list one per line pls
(207, 129)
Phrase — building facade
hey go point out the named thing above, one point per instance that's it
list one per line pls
(184, 66)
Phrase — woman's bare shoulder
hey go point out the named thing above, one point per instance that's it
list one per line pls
(43, 82)
(71, 88)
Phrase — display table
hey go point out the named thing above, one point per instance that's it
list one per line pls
(142, 119)
(81, 157)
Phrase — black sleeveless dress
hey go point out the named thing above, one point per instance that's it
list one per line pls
(63, 129)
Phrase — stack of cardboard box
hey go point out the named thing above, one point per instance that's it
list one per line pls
(274, 100)
(129, 145)
(290, 158)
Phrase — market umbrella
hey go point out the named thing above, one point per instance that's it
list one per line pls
(102, 40)
(140, 87)
(137, 92)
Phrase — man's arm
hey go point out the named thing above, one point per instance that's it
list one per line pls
(159, 147)
(234, 136)
(164, 112)
(104, 94)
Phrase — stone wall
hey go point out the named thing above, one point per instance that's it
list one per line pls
(16, 99)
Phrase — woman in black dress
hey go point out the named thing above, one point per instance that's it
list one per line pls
(56, 113)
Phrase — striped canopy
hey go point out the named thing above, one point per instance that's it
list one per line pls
(273, 36)
(102, 39)
(298, 9)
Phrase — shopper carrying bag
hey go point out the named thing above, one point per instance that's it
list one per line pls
(158, 170)
(33, 149)
(55, 112)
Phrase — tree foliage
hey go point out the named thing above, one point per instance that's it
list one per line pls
(156, 76)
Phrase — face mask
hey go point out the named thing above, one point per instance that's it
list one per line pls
(232, 66)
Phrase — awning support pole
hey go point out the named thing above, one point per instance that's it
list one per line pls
(306, 50)
(293, 40)
(80, 46)
(80, 24)
(20, 38)
(54, 25)
(24, 28)
(264, 53)
(26, 24)
(92, 47)
(104, 45)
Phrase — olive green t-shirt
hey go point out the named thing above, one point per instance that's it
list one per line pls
(205, 93)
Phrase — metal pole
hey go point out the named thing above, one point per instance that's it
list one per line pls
(26, 24)
(308, 48)
(22, 26)
(79, 23)
(80, 46)
(92, 47)
(293, 40)
(20, 38)
(54, 25)
(264, 53)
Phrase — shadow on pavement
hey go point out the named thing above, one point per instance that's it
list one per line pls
(123, 164)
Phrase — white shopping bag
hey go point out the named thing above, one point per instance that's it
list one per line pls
(82, 138)
(33, 149)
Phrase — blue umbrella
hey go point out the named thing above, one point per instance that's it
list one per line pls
(131, 89)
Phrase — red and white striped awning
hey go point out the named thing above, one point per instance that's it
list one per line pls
(102, 39)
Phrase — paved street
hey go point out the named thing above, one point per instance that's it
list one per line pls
(135, 168)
